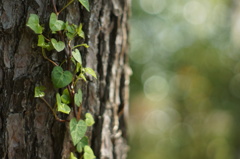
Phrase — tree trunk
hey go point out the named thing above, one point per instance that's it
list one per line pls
(28, 129)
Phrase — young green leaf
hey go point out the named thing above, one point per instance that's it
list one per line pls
(83, 77)
(80, 31)
(59, 46)
(85, 4)
(88, 153)
(33, 23)
(71, 30)
(83, 142)
(91, 72)
(61, 78)
(72, 156)
(55, 24)
(64, 108)
(65, 97)
(89, 119)
(78, 68)
(61, 107)
(38, 91)
(84, 45)
(41, 41)
(77, 56)
(77, 130)
(78, 97)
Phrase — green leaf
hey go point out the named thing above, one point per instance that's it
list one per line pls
(71, 30)
(78, 97)
(89, 119)
(80, 31)
(72, 156)
(85, 4)
(77, 56)
(60, 78)
(38, 91)
(91, 72)
(77, 130)
(41, 42)
(83, 77)
(33, 23)
(61, 107)
(88, 153)
(59, 46)
(78, 67)
(83, 142)
(55, 24)
(65, 97)
(84, 45)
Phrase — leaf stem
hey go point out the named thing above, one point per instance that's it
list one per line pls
(46, 38)
(79, 112)
(45, 56)
(72, 99)
(55, 115)
(55, 8)
(65, 6)
(85, 45)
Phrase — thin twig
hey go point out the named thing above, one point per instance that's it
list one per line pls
(55, 8)
(79, 112)
(55, 115)
(72, 99)
(65, 6)
(45, 56)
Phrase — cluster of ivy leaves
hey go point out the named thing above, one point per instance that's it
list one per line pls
(66, 79)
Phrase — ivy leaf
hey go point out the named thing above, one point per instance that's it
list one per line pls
(55, 24)
(77, 56)
(61, 107)
(78, 68)
(71, 30)
(65, 97)
(80, 31)
(89, 119)
(72, 156)
(84, 45)
(83, 142)
(33, 23)
(38, 91)
(91, 72)
(85, 4)
(42, 43)
(59, 46)
(77, 130)
(83, 77)
(60, 78)
(88, 153)
(64, 108)
(78, 97)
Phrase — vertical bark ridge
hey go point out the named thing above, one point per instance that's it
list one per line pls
(112, 65)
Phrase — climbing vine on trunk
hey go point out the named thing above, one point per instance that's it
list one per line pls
(65, 75)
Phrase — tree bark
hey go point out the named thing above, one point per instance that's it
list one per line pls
(28, 129)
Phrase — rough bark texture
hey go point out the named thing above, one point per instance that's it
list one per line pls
(28, 130)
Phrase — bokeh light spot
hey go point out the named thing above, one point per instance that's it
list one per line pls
(153, 6)
(156, 88)
(157, 121)
(195, 12)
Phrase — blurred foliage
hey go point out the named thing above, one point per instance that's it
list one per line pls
(185, 87)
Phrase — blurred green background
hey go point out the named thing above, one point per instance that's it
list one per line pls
(185, 87)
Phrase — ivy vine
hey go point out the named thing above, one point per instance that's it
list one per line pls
(65, 75)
